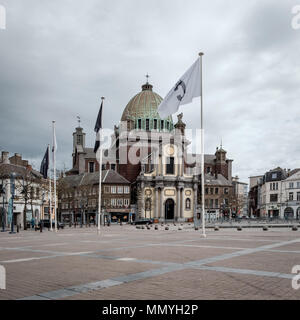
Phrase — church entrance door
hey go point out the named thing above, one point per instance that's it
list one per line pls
(169, 209)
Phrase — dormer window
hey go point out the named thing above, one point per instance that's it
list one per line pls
(140, 124)
(162, 125)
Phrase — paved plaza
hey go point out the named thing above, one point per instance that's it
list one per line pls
(129, 263)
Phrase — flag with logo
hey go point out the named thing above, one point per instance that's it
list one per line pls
(54, 144)
(98, 127)
(183, 92)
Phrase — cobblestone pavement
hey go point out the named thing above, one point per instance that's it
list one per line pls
(128, 263)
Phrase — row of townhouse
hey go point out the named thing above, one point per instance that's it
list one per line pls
(24, 193)
(276, 194)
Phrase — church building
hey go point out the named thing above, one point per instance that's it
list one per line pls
(152, 154)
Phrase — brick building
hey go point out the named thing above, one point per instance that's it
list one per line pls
(164, 177)
(78, 197)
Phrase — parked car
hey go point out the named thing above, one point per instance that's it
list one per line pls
(46, 224)
(143, 221)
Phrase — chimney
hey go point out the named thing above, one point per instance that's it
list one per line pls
(5, 156)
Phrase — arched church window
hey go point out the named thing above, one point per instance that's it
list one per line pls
(188, 204)
(147, 124)
(168, 125)
(155, 124)
(139, 123)
(170, 166)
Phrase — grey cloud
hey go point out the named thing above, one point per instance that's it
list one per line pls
(58, 58)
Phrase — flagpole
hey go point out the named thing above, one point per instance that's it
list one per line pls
(54, 173)
(50, 188)
(202, 151)
(100, 178)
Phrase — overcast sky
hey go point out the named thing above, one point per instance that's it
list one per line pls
(58, 57)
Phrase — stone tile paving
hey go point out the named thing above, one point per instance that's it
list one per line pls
(128, 263)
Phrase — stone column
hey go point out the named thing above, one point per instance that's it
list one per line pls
(182, 204)
(162, 211)
(178, 214)
(142, 201)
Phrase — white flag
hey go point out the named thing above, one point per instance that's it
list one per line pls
(183, 92)
(54, 144)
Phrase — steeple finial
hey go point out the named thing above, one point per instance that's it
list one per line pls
(78, 119)
(147, 76)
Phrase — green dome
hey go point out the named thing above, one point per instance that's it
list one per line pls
(142, 109)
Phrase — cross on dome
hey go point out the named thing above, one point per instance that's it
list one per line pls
(147, 76)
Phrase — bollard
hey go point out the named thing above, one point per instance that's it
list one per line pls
(179, 228)
(166, 228)
(156, 227)
(294, 228)
(217, 228)
(239, 228)
(265, 228)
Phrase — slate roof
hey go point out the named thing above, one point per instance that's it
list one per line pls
(294, 174)
(192, 158)
(108, 177)
(220, 180)
(7, 169)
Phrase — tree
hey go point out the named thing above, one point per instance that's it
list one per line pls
(25, 184)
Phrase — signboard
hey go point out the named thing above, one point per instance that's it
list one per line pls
(28, 215)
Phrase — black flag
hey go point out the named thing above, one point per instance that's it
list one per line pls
(98, 126)
(45, 165)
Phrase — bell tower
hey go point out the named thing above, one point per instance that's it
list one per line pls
(222, 163)
(78, 136)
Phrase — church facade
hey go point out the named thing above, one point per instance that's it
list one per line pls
(152, 154)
